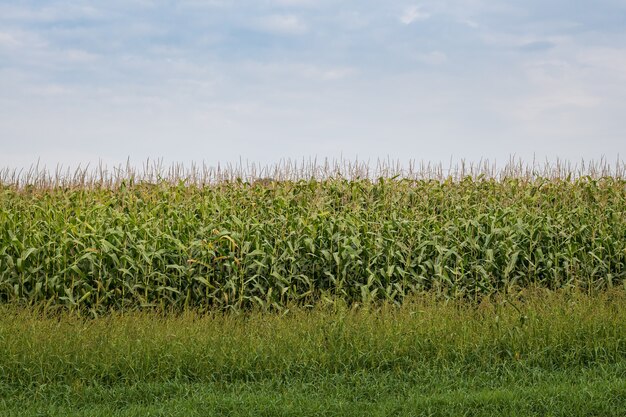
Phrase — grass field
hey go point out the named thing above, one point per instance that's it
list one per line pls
(474, 293)
(545, 353)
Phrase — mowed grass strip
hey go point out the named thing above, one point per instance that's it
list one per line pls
(243, 245)
(596, 395)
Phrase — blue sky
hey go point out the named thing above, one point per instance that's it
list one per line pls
(216, 80)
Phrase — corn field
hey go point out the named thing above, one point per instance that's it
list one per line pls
(231, 238)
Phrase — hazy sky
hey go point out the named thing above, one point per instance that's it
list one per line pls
(217, 80)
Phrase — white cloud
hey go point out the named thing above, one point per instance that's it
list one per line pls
(287, 24)
(8, 40)
(80, 56)
(470, 23)
(21, 39)
(295, 2)
(433, 58)
(609, 61)
(48, 90)
(202, 3)
(297, 71)
(337, 73)
(50, 13)
(413, 14)
(541, 105)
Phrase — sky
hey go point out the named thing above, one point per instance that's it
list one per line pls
(218, 81)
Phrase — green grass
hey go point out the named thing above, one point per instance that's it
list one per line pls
(542, 353)
(565, 394)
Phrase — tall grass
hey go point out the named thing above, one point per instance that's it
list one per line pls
(224, 239)
(550, 331)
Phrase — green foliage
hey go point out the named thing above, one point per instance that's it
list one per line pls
(241, 245)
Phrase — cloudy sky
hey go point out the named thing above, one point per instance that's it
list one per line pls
(219, 80)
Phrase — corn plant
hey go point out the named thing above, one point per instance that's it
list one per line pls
(178, 242)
